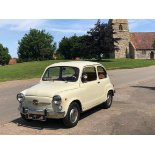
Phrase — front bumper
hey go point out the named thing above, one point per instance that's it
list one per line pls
(46, 113)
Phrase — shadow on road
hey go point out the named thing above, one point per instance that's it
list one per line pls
(151, 88)
(52, 124)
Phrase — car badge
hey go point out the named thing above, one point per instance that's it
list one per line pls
(35, 102)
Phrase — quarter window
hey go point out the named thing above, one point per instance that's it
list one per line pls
(101, 72)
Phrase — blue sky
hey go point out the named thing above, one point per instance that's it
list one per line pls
(12, 30)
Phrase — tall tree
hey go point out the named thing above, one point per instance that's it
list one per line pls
(70, 47)
(100, 40)
(33, 42)
(4, 55)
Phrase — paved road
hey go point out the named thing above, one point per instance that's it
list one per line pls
(132, 111)
(127, 77)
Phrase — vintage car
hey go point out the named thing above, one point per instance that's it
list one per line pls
(67, 89)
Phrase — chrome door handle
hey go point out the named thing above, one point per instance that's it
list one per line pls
(98, 82)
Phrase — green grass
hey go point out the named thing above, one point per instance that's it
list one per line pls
(28, 70)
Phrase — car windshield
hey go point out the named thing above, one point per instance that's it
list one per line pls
(61, 73)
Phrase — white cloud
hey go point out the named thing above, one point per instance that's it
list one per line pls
(21, 24)
(135, 23)
(68, 30)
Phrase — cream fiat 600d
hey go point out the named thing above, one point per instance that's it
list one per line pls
(67, 89)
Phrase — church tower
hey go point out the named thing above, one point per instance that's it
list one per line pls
(121, 28)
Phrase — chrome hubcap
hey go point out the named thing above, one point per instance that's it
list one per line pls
(109, 99)
(73, 114)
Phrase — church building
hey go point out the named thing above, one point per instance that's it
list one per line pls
(135, 45)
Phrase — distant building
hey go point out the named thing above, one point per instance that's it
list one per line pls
(12, 61)
(77, 58)
(136, 45)
(54, 56)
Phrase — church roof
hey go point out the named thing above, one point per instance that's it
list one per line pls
(142, 40)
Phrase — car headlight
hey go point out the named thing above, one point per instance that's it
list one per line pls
(56, 99)
(20, 97)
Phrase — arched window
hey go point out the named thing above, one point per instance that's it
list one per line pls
(120, 27)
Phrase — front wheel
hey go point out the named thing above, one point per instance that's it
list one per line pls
(107, 104)
(73, 115)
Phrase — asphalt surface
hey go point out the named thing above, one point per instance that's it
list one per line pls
(132, 111)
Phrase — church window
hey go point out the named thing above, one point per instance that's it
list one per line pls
(143, 52)
(120, 27)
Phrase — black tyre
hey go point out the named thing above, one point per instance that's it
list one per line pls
(107, 104)
(73, 115)
(23, 117)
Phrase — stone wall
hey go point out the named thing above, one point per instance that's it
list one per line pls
(140, 55)
(123, 44)
(112, 55)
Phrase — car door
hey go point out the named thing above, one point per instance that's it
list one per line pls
(102, 81)
(89, 87)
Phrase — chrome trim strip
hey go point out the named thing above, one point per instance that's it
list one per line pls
(49, 113)
(38, 102)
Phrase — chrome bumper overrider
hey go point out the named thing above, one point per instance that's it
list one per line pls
(58, 114)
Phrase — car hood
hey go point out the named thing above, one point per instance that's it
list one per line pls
(48, 90)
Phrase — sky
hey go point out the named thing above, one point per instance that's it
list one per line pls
(13, 30)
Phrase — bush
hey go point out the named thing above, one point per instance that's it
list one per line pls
(19, 60)
(60, 57)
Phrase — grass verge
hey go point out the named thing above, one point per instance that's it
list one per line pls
(35, 69)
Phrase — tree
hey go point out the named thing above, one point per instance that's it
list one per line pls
(4, 55)
(99, 40)
(44, 52)
(33, 42)
(70, 47)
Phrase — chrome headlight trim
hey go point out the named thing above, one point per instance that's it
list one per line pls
(20, 104)
(20, 97)
(56, 99)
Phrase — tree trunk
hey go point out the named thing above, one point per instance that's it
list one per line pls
(99, 57)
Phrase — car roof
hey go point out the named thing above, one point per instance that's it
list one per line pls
(75, 63)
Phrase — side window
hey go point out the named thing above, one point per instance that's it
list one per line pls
(91, 74)
(101, 72)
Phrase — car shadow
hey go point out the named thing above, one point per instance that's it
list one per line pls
(151, 88)
(52, 124)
